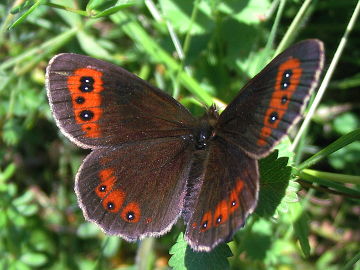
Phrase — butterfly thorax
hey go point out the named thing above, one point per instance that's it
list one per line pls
(204, 131)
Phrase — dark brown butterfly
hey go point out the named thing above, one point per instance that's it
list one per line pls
(152, 161)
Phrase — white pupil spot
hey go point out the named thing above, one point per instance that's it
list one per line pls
(287, 75)
(233, 203)
(285, 85)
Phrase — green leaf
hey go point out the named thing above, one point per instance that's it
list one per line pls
(111, 10)
(183, 257)
(179, 13)
(12, 131)
(301, 228)
(91, 46)
(331, 184)
(331, 148)
(346, 158)
(30, 8)
(274, 179)
(346, 123)
(138, 34)
(87, 230)
(257, 243)
(34, 259)
(22, 7)
(249, 12)
(7, 173)
(112, 246)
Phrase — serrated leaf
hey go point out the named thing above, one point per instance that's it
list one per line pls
(183, 257)
(274, 179)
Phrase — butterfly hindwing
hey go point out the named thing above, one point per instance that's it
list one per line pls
(223, 195)
(135, 190)
(272, 101)
(99, 104)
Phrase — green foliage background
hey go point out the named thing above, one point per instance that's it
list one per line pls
(314, 225)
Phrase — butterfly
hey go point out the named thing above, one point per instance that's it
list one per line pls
(152, 161)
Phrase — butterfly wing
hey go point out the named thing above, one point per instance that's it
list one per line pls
(222, 192)
(272, 101)
(133, 182)
(97, 104)
(226, 178)
(135, 190)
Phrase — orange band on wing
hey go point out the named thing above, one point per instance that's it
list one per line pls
(287, 81)
(85, 86)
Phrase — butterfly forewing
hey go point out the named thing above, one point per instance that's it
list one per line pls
(98, 104)
(273, 100)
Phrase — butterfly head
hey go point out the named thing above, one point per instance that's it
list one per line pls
(205, 130)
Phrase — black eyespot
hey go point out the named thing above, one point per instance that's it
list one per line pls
(286, 77)
(233, 203)
(102, 188)
(287, 73)
(273, 117)
(86, 115)
(110, 205)
(87, 80)
(284, 99)
(86, 88)
(130, 215)
(204, 225)
(218, 220)
(80, 100)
